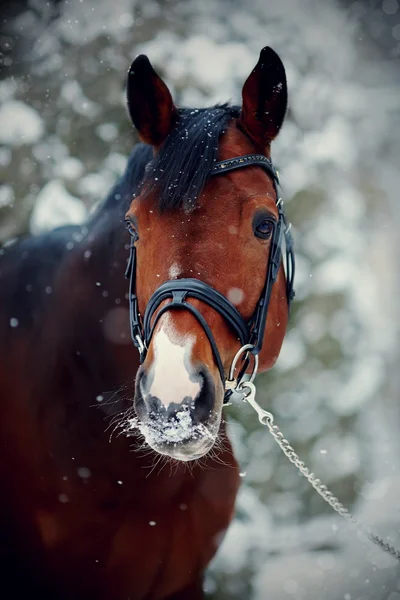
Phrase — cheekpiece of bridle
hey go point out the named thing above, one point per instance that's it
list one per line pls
(178, 291)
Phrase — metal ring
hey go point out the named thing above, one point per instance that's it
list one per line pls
(246, 348)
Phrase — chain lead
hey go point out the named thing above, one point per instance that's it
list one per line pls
(266, 418)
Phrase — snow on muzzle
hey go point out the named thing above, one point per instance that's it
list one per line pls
(178, 401)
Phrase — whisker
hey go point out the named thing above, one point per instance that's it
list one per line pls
(154, 466)
(164, 462)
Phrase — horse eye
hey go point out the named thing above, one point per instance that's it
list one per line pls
(132, 230)
(264, 229)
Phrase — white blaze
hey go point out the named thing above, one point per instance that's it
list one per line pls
(170, 372)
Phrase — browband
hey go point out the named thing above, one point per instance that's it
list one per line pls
(223, 166)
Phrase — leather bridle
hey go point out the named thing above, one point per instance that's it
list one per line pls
(178, 291)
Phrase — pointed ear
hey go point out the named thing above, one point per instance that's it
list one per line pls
(264, 99)
(150, 104)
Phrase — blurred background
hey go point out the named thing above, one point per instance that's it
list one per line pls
(64, 139)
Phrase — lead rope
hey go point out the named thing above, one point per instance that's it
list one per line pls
(247, 390)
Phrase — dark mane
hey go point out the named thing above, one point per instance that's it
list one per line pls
(120, 196)
(179, 171)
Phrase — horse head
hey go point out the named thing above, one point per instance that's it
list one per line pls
(204, 247)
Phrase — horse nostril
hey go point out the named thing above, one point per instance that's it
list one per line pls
(153, 404)
(204, 401)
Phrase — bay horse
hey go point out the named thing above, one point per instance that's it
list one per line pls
(138, 514)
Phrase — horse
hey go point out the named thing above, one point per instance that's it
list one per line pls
(118, 480)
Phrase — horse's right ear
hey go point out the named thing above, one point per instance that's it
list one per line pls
(264, 99)
(150, 104)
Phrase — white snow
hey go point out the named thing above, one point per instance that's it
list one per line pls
(107, 131)
(292, 353)
(6, 195)
(235, 295)
(159, 430)
(55, 207)
(95, 185)
(19, 124)
(84, 472)
(174, 271)
(344, 456)
(5, 156)
(73, 94)
(70, 168)
(83, 22)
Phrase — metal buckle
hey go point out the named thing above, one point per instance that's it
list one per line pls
(232, 384)
(140, 345)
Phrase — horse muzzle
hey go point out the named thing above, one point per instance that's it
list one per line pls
(179, 418)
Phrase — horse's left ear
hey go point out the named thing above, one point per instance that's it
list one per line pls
(150, 104)
(264, 99)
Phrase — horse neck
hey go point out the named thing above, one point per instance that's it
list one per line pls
(81, 371)
(81, 348)
(98, 309)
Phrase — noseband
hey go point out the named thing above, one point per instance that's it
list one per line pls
(250, 333)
